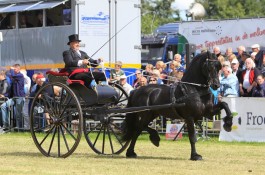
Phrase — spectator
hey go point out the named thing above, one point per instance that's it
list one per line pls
(231, 57)
(229, 86)
(247, 79)
(244, 56)
(152, 80)
(148, 71)
(217, 51)
(221, 59)
(259, 90)
(173, 71)
(259, 56)
(180, 74)
(24, 22)
(126, 86)
(136, 81)
(27, 85)
(142, 82)
(161, 66)
(117, 72)
(40, 20)
(4, 94)
(228, 53)
(17, 95)
(177, 58)
(253, 55)
(156, 74)
(240, 51)
(236, 70)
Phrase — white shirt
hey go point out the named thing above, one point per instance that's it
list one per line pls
(246, 83)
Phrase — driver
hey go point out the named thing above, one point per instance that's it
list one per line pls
(76, 60)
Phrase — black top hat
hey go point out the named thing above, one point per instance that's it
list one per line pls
(72, 38)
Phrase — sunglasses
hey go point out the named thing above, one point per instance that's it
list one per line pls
(152, 80)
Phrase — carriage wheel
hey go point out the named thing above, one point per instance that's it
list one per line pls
(56, 120)
(104, 136)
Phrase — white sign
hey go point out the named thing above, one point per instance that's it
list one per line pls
(224, 33)
(249, 123)
(172, 130)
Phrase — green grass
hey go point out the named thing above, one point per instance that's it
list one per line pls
(19, 155)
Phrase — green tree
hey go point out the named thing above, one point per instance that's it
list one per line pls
(224, 9)
(156, 13)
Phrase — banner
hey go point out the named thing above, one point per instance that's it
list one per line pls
(249, 123)
(172, 130)
(224, 33)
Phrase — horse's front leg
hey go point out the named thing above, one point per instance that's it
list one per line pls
(228, 119)
(193, 139)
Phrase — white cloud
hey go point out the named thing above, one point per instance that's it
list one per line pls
(182, 4)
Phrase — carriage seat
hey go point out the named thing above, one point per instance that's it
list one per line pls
(55, 76)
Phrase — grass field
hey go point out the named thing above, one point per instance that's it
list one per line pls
(19, 155)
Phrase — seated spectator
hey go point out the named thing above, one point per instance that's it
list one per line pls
(173, 71)
(248, 77)
(181, 71)
(231, 58)
(229, 86)
(142, 82)
(117, 72)
(259, 90)
(156, 74)
(126, 86)
(161, 67)
(23, 22)
(148, 71)
(152, 80)
(136, 81)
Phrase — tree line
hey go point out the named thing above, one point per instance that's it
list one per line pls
(159, 12)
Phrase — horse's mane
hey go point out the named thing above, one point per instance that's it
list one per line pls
(194, 71)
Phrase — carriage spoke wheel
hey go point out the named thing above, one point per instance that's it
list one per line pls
(56, 120)
(103, 133)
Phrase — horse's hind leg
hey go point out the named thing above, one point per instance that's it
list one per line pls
(193, 139)
(154, 137)
(130, 151)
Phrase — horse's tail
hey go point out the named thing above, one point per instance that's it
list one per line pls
(129, 124)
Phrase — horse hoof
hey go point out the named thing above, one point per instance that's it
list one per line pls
(131, 155)
(227, 128)
(228, 122)
(196, 157)
(155, 139)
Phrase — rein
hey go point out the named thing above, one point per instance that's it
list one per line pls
(194, 84)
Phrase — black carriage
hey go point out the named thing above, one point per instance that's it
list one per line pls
(63, 108)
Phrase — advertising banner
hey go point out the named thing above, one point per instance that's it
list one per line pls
(249, 121)
(224, 33)
(172, 130)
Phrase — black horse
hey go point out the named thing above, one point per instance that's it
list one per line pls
(193, 90)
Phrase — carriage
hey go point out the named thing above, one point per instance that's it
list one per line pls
(111, 120)
(63, 109)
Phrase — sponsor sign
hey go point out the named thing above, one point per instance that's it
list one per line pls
(249, 123)
(172, 130)
(224, 33)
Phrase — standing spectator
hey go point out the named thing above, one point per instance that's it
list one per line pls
(244, 56)
(229, 86)
(253, 55)
(240, 51)
(117, 72)
(259, 90)
(247, 79)
(259, 56)
(4, 94)
(17, 95)
(217, 51)
(126, 86)
(228, 53)
(236, 70)
(136, 81)
(177, 58)
(27, 85)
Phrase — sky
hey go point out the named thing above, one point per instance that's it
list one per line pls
(182, 5)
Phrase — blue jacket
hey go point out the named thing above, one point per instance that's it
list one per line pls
(17, 88)
(259, 90)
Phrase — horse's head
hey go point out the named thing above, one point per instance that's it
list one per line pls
(211, 68)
